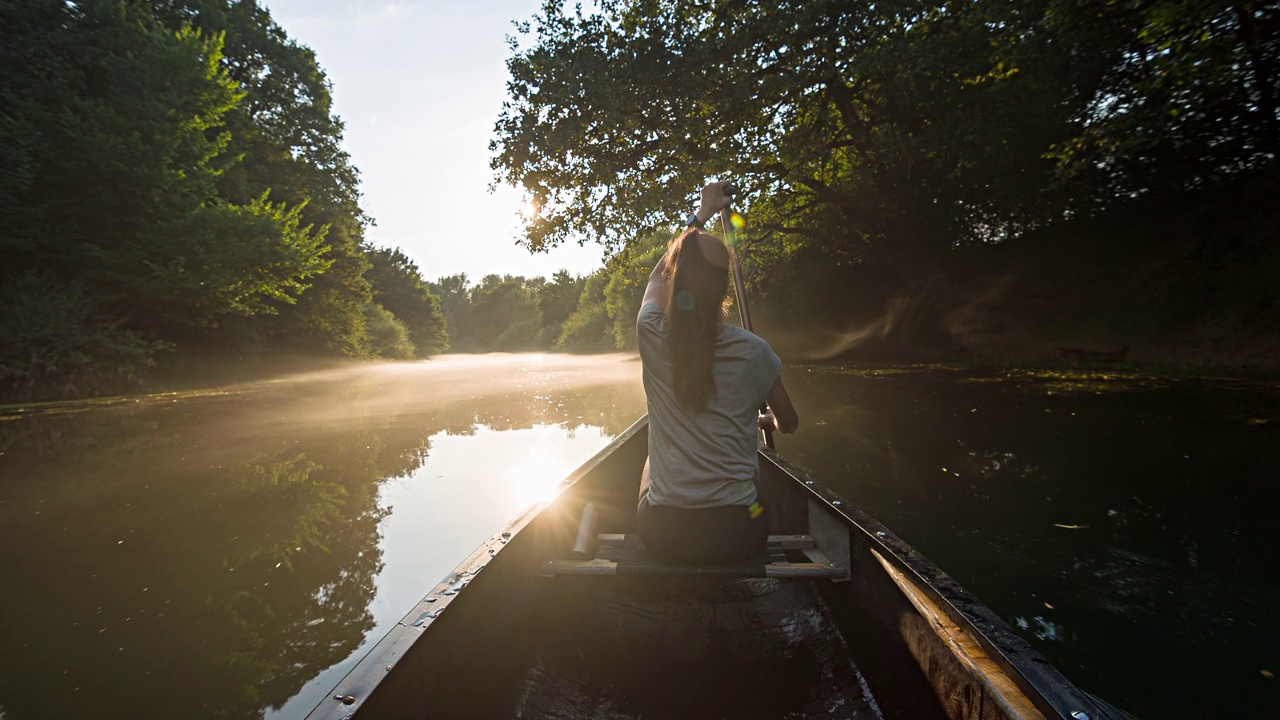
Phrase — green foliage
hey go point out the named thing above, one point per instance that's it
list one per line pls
(454, 305)
(1189, 98)
(520, 335)
(55, 339)
(233, 260)
(851, 123)
(288, 144)
(511, 314)
(388, 336)
(588, 328)
(627, 275)
(123, 165)
(556, 301)
(877, 143)
(398, 286)
(178, 163)
(1194, 283)
(592, 314)
(499, 304)
(605, 318)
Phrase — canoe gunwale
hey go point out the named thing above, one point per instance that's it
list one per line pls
(1048, 689)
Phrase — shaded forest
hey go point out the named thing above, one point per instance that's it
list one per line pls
(173, 191)
(1014, 180)
(596, 313)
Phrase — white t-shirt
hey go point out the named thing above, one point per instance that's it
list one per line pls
(708, 458)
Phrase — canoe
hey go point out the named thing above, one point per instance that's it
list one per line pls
(562, 614)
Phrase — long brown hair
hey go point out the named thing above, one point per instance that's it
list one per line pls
(697, 272)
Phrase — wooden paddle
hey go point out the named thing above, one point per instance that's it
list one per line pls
(740, 290)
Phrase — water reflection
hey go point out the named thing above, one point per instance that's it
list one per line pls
(1041, 628)
(1127, 525)
(213, 555)
(219, 554)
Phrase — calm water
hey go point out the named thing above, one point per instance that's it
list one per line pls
(233, 553)
(1128, 526)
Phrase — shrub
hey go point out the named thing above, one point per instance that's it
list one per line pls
(587, 330)
(55, 341)
(388, 337)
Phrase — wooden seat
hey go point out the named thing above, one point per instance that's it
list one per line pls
(619, 554)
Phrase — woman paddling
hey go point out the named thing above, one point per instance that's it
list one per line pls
(704, 382)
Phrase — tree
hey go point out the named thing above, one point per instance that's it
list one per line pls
(53, 336)
(398, 286)
(605, 314)
(116, 143)
(872, 140)
(455, 306)
(504, 314)
(588, 328)
(288, 145)
(388, 336)
(832, 112)
(1189, 98)
(556, 301)
(627, 276)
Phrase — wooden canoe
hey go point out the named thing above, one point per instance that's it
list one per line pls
(845, 620)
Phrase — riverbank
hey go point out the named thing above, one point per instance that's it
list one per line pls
(1176, 285)
(179, 378)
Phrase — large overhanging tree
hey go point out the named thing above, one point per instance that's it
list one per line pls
(878, 134)
(871, 128)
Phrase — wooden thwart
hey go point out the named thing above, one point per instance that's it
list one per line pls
(625, 555)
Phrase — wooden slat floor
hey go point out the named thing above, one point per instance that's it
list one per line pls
(631, 648)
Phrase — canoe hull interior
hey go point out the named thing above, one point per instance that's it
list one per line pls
(896, 639)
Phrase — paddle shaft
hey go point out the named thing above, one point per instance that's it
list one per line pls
(740, 291)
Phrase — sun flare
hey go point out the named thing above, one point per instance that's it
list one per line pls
(529, 208)
(536, 480)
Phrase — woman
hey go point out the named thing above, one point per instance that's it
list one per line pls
(705, 382)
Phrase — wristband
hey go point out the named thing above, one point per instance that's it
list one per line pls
(693, 221)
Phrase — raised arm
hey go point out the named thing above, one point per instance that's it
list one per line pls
(656, 290)
(713, 198)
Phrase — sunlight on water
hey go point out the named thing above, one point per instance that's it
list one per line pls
(469, 486)
(229, 551)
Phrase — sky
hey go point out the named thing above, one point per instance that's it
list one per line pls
(419, 85)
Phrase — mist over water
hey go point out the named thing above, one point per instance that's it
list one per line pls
(221, 553)
(232, 552)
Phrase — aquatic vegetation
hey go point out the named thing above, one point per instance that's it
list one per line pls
(68, 407)
(875, 371)
(1066, 381)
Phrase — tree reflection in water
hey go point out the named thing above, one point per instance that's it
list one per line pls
(208, 556)
(1126, 523)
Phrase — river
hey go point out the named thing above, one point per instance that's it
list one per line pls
(232, 552)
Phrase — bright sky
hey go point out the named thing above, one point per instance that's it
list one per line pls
(419, 84)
